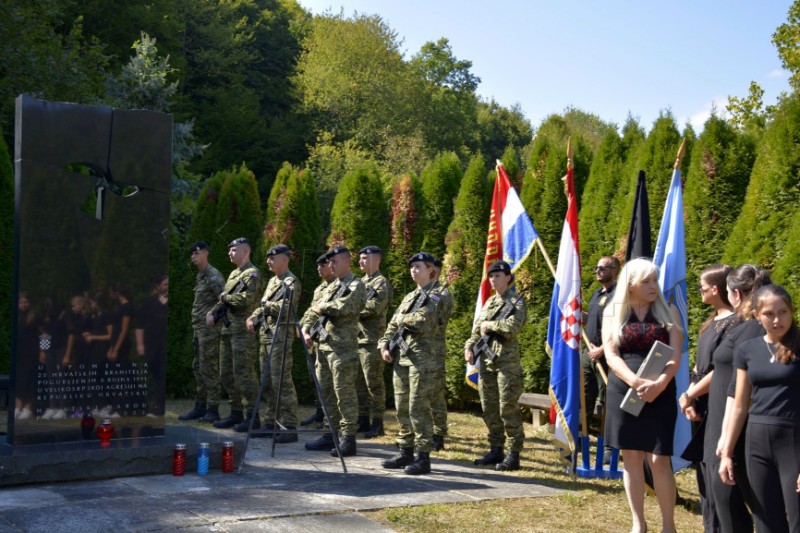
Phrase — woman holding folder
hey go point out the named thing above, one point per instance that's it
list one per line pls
(636, 318)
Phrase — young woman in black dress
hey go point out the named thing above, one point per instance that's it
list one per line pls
(732, 503)
(694, 401)
(768, 382)
(638, 316)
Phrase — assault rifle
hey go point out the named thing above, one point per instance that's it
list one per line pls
(484, 344)
(222, 312)
(261, 320)
(398, 340)
(318, 329)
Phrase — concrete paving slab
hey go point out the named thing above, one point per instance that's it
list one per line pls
(296, 490)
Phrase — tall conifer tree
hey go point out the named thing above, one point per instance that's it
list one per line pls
(406, 235)
(359, 216)
(463, 270)
(441, 180)
(762, 229)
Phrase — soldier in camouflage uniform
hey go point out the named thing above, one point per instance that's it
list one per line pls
(439, 401)
(237, 346)
(276, 338)
(209, 283)
(324, 271)
(371, 387)
(337, 361)
(501, 380)
(414, 370)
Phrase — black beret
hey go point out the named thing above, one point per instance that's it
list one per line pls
(323, 259)
(279, 249)
(437, 262)
(336, 250)
(425, 257)
(500, 266)
(372, 249)
(237, 242)
(199, 245)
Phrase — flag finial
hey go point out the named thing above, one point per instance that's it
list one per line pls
(679, 157)
(569, 152)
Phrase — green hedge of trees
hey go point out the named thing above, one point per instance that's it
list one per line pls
(325, 126)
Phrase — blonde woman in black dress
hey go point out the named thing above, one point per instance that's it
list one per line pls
(637, 316)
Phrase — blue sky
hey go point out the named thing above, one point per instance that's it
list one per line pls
(608, 58)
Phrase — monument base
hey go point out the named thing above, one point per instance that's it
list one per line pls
(72, 461)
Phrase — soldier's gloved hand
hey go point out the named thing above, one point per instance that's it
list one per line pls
(386, 355)
(469, 357)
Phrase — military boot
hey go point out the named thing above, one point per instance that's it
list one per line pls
(511, 462)
(317, 417)
(199, 411)
(244, 425)
(234, 418)
(405, 458)
(322, 444)
(438, 443)
(212, 414)
(422, 465)
(494, 456)
(283, 438)
(377, 429)
(363, 424)
(265, 432)
(347, 446)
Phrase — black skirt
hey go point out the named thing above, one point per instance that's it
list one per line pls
(653, 430)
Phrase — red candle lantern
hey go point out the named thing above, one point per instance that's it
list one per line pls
(179, 460)
(227, 457)
(105, 430)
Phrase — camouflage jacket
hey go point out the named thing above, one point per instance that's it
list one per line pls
(242, 303)
(503, 332)
(208, 286)
(372, 319)
(417, 314)
(271, 302)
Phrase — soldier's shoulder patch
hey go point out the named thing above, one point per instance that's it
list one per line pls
(213, 278)
(253, 273)
(435, 298)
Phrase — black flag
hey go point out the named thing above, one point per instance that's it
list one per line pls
(639, 240)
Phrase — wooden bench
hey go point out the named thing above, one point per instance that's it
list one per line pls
(539, 405)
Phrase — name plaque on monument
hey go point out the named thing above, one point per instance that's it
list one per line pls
(90, 291)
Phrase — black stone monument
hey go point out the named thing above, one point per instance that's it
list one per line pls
(91, 252)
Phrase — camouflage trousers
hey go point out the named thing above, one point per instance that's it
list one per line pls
(500, 386)
(413, 390)
(286, 405)
(370, 385)
(439, 399)
(337, 379)
(205, 366)
(237, 362)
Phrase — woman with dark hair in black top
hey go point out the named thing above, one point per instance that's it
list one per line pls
(694, 401)
(731, 503)
(120, 350)
(768, 380)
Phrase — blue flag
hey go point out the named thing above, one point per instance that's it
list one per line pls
(670, 257)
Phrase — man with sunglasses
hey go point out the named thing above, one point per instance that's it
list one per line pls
(593, 385)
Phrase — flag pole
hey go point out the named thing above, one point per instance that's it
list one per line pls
(584, 424)
(679, 157)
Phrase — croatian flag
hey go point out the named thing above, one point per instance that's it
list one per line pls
(511, 237)
(564, 333)
(670, 257)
